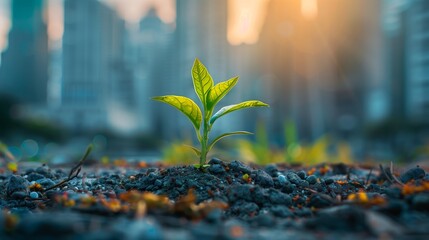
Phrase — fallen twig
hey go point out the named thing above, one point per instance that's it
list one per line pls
(367, 178)
(393, 175)
(385, 174)
(74, 172)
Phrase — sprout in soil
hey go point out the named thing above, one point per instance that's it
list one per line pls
(209, 95)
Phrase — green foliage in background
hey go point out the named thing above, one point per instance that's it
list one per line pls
(293, 151)
(209, 95)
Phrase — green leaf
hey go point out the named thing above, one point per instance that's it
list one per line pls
(219, 91)
(201, 166)
(203, 82)
(226, 135)
(185, 105)
(235, 107)
(197, 152)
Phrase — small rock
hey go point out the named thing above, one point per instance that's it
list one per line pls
(293, 177)
(281, 211)
(215, 161)
(215, 216)
(45, 171)
(282, 179)
(158, 183)
(413, 173)
(144, 229)
(18, 195)
(34, 195)
(342, 218)
(244, 208)
(421, 202)
(271, 170)
(17, 184)
(311, 179)
(264, 220)
(240, 192)
(319, 202)
(238, 166)
(262, 178)
(216, 169)
(46, 182)
(329, 181)
(302, 174)
(34, 176)
(277, 197)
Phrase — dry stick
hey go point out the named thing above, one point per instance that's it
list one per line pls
(74, 172)
(385, 174)
(393, 175)
(367, 178)
(322, 195)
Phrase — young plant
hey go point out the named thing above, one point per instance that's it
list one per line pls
(209, 95)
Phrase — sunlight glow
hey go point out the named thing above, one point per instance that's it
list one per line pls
(55, 21)
(134, 10)
(4, 24)
(245, 20)
(309, 9)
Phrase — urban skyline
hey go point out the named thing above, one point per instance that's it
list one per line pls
(294, 55)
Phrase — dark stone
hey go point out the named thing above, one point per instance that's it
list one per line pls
(281, 211)
(413, 173)
(293, 178)
(271, 170)
(45, 182)
(240, 192)
(34, 176)
(45, 171)
(216, 169)
(339, 169)
(282, 179)
(393, 207)
(263, 179)
(319, 202)
(244, 208)
(343, 218)
(329, 181)
(277, 197)
(17, 184)
(302, 174)
(421, 202)
(215, 161)
(215, 216)
(263, 220)
(238, 166)
(311, 179)
(18, 195)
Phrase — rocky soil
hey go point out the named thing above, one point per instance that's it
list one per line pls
(226, 201)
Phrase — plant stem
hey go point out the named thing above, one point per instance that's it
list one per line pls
(205, 137)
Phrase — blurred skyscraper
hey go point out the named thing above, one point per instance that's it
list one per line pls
(416, 30)
(97, 87)
(319, 68)
(200, 33)
(24, 68)
(407, 59)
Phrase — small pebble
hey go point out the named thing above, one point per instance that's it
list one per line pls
(34, 195)
(302, 174)
(282, 178)
(312, 179)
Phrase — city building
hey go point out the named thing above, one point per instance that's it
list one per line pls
(97, 86)
(24, 68)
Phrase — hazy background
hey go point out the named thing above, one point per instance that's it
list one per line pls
(74, 71)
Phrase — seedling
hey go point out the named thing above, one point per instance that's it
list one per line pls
(209, 95)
